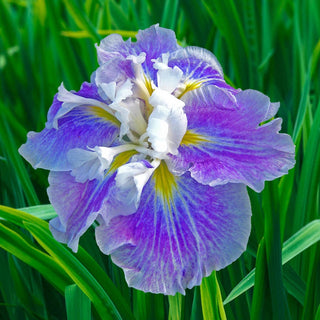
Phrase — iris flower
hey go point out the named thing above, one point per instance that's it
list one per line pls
(159, 149)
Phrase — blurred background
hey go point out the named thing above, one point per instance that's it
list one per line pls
(272, 46)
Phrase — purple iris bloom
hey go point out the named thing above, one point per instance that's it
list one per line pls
(159, 149)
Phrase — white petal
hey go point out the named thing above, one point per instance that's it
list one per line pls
(161, 63)
(108, 90)
(116, 93)
(130, 180)
(169, 79)
(158, 132)
(164, 98)
(124, 91)
(131, 117)
(167, 123)
(71, 100)
(137, 59)
(91, 164)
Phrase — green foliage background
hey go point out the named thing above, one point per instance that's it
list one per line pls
(272, 46)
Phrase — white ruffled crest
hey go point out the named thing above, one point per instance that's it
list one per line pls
(128, 112)
(168, 78)
(130, 180)
(131, 118)
(167, 123)
(116, 93)
(91, 164)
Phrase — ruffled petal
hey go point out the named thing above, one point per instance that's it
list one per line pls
(167, 123)
(92, 163)
(200, 67)
(77, 205)
(82, 125)
(153, 41)
(227, 145)
(111, 47)
(181, 232)
(130, 181)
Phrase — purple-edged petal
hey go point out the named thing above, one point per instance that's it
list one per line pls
(113, 46)
(77, 205)
(154, 41)
(181, 232)
(80, 126)
(228, 145)
(200, 67)
(87, 90)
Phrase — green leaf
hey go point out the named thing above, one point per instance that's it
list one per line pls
(44, 212)
(294, 284)
(16, 244)
(78, 304)
(260, 306)
(18, 217)
(318, 313)
(81, 19)
(175, 307)
(303, 239)
(77, 272)
(211, 301)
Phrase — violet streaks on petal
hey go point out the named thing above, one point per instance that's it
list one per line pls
(236, 148)
(159, 149)
(168, 247)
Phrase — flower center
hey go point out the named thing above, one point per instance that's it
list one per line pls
(152, 124)
(152, 118)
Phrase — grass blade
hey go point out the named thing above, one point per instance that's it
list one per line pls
(299, 242)
(211, 301)
(77, 272)
(77, 303)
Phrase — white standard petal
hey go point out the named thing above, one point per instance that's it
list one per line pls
(167, 123)
(91, 164)
(130, 180)
(131, 118)
(116, 93)
(168, 78)
(71, 100)
(138, 60)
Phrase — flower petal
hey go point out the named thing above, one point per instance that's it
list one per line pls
(81, 127)
(231, 146)
(92, 164)
(167, 123)
(77, 205)
(154, 41)
(111, 47)
(200, 67)
(130, 181)
(181, 232)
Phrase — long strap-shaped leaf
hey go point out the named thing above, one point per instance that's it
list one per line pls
(300, 241)
(77, 272)
(82, 262)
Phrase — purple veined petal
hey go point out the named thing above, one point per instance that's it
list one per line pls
(82, 127)
(229, 145)
(77, 205)
(170, 244)
(211, 96)
(117, 69)
(272, 111)
(87, 90)
(200, 67)
(154, 41)
(113, 46)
